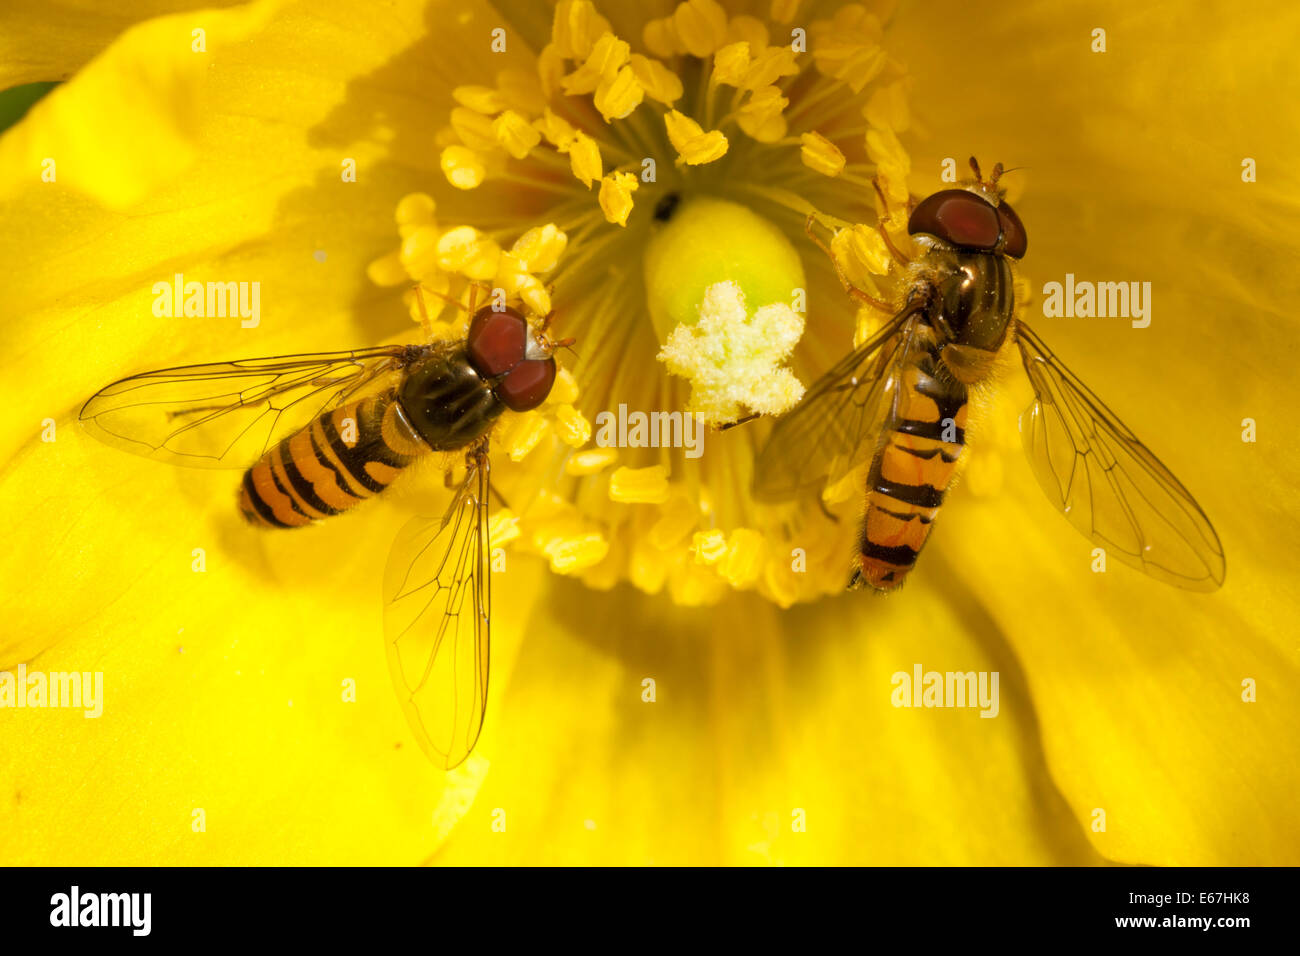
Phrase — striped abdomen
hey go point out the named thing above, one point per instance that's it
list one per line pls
(921, 444)
(340, 459)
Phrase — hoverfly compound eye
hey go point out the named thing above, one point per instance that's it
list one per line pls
(527, 384)
(1015, 240)
(497, 341)
(958, 217)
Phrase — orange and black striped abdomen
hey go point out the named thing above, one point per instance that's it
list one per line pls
(921, 444)
(342, 458)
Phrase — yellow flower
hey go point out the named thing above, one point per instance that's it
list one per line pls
(625, 725)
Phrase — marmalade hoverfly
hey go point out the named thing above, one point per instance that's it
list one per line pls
(324, 432)
(901, 399)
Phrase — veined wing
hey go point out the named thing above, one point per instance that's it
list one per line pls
(833, 429)
(1107, 483)
(437, 624)
(226, 414)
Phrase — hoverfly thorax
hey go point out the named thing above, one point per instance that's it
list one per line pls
(454, 398)
(973, 233)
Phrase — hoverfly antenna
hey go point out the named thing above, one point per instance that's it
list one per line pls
(974, 165)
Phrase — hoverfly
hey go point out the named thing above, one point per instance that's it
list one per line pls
(901, 399)
(324, 432)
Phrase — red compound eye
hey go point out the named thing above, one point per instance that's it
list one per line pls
(1013, 232)
(958, 217)
(496, 342)
(527, 384)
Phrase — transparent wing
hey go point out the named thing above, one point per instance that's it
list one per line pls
(1110, 486)
(832, 430)
(437, 621)
(226, 414)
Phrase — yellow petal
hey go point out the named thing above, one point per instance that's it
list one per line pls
(145, 94)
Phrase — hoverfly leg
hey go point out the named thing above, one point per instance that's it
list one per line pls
(849, 287)
(855, 581)
(894, 251)
(739, 421)
(500, 497)
(425, 322)
(821, 503)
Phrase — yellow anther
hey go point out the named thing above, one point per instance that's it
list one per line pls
(503, 527)
(607, 57)
(616, 196)
(731, 63)
(617, 97)
(702, 26)
(761, 117)
(576, 27)
(565, 389)
(584, 159)
(591, 461)
(743, 562)
(661, 39)
(480, 99)
(388, 270)
(515, 134)
(550, 70)
(521, 433)
(558, 131)
(577, 552)
(750, 29)
(693, 144)
(709, 546)
(414, 210)
(474, 129)
(419, 252)
(660, 83)
(820, 154)
(769, 66)
(861, 253)
(464, 251)
(540, 248)
(892, 162)
(462, 167)
(888, 108)
(639, 485)
(572, 426)
(783, 11)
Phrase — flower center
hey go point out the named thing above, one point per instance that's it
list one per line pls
(653, 191)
